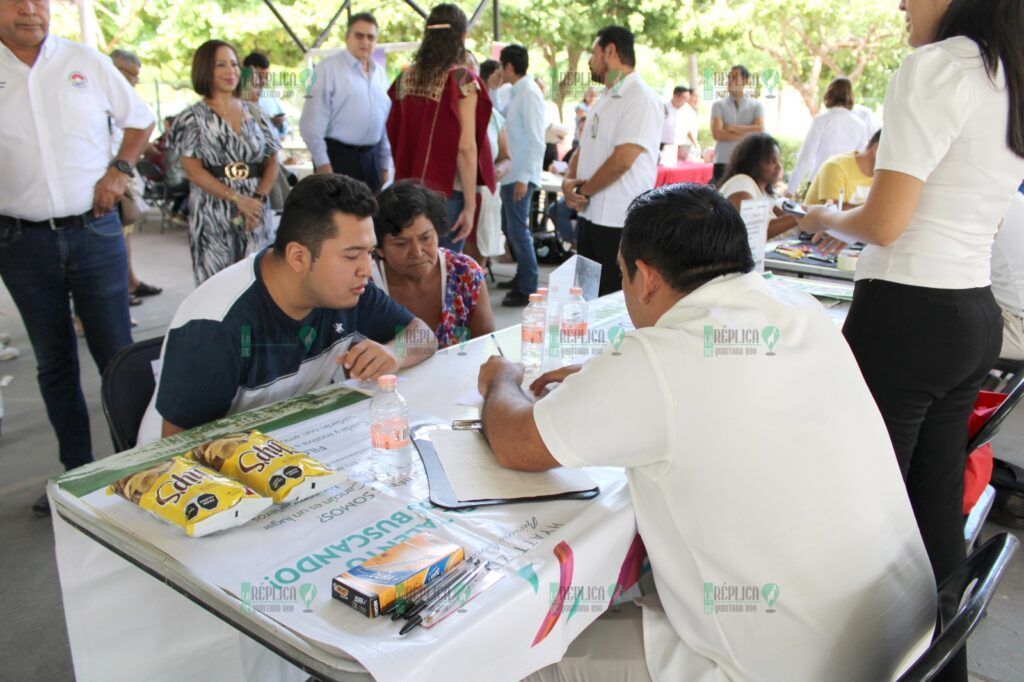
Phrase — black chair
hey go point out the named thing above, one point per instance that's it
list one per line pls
(979, 513)
(1015, 394)
(164, 196)
(1004, 372)
(128, 385)
(963, 598)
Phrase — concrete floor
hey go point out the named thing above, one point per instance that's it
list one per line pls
(33, 639)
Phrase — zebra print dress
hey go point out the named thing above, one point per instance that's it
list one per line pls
(200, 133)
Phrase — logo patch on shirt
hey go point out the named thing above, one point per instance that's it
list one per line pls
(78, 80)
(339, 328)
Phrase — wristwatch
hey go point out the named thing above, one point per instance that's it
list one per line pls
(122, 166)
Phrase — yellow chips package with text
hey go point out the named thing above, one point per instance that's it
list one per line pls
(191, 496)
(267, 465)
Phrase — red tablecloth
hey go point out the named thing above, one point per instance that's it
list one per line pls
(684, 171)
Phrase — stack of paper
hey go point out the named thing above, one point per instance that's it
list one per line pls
(474, 473)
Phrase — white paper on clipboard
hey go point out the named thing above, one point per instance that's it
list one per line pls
(755, 214)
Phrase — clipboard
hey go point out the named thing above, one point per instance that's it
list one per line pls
(441, 492)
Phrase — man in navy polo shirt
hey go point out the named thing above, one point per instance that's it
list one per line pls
(286, 320)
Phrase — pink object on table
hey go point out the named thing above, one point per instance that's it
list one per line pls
(684, 171)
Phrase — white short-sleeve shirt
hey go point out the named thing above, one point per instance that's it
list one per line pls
(741, 182)
(626, 113)
(1008, 259)
(742, 475)
(55, 134)
(945, 123)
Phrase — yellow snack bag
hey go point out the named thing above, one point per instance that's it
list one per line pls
(190, 496)
(266, 465)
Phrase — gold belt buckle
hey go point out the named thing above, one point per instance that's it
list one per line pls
(236, 171)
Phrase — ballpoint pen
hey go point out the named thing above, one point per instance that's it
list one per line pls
(415, 619)
(497, 345)
(415, 598)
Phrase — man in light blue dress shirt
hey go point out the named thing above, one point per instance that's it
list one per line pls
(343, 118)
(524, 126)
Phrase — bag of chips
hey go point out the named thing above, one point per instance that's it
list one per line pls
(266, 465)
(190, 496)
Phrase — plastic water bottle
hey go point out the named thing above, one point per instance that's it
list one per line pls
(534, 317)
(389, 433)
(574, 324)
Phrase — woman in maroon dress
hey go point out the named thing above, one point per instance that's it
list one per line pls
(438, 121)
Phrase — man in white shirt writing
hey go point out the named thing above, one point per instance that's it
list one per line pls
(60, 237)
(812, 533)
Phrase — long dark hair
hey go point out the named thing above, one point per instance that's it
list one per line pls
(997, 26)
(748, 156)
(443, 45)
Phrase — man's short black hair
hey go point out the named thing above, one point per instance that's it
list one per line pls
(517, 56)
(744, 71)
(679, 90)
(309, 210)
(402, 203)
(622, 39)
(689, 233)
(487, 68)
(361, 16)
(256, 60)
(876, 138)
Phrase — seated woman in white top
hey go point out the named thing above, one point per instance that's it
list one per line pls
(924, 325)
(448, 289)
(754, 168)
(837, 130)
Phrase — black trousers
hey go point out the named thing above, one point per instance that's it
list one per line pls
(924, 354)
(360, 163)
(601, 244)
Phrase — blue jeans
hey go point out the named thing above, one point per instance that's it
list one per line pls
(520, 238)
(561, 215)
(42, 268)
(455, 205)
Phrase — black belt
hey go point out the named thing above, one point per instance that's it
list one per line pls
(52, 224)
(358, 148)
(236, 171)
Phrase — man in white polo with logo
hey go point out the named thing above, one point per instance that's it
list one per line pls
(60, 237)
(618, 153)
(782, 544)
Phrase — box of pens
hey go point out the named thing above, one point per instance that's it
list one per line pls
(376, 585)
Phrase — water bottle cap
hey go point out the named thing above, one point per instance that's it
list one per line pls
(575, 291)
(387, 381)
(536, 298)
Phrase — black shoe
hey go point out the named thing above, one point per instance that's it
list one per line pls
(511, 284)
(41, 507)
(515, 299)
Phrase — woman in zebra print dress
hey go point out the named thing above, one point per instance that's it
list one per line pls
(229, 154)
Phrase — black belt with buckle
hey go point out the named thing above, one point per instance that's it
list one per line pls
(52, 224)
(239, 170)
(357, 148)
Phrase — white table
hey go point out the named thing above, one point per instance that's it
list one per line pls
(124, 625)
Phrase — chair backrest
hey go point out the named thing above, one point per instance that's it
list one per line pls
(128, 385)
(959, 616)
(149, 170)
(991, 427)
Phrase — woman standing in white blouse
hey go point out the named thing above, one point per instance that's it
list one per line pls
(924, 325)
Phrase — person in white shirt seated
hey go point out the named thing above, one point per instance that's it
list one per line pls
(1008, 277)
(837, 130)
(814, 528)
(753, 171)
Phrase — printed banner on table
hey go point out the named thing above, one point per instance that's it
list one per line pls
(560, 573)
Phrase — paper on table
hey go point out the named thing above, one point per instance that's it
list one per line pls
(756, 213)
(474, 474)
